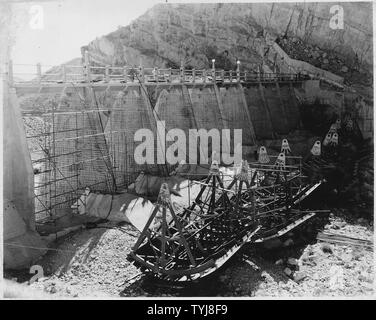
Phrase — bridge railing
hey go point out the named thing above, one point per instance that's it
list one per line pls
(92, 73)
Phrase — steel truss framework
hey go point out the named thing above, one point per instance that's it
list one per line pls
(262, 201)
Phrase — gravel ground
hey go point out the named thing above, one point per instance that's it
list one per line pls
(92, 263)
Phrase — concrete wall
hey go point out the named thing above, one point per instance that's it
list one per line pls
(259, 112)
(130, 112)
(79, 150)
(18, 182)
(262, 111)
(362, 110)
(235, 111)
(277, 111)
(206, 108)
(313, 90)
(273, 109)
(174, 107)
(18, 178)
(290, 103)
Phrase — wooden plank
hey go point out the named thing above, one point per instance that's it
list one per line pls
(343, 239)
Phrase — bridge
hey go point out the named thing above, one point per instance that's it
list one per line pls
(97, 76)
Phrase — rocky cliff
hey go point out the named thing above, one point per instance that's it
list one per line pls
(169, 34)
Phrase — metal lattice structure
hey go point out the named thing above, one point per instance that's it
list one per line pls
(80, 139)
(262, 201)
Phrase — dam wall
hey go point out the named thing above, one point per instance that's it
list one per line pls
(207, 110)
(236, 113)
(262, 111)
(90, 129)
(129, 112)
(79, 150)
(315, 91)
(273, 109)
(291, 105)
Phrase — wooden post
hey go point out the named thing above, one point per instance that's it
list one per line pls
(169, 74)
(64, 73)
(181, 72)
(87, 66)
(230, 75)
(194, 75)
(213, 71)
(223, 76)
(204, 75)
(238, 71)
(107, 74)
(39, 73)
(142, 74)
(10, 73)
(245, 76)
(156, 75)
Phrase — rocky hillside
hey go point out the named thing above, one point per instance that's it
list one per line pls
(168, 34)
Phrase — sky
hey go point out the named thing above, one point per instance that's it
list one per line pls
(66, 25)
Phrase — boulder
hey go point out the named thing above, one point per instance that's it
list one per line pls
(279, 262)
(293, 261)
(327, 248)
(344, 69)
(287, 271)
(299, 276)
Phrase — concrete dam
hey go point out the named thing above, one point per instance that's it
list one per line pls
(80, 127)
(261, 111)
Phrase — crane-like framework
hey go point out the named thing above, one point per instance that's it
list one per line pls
(261, 201)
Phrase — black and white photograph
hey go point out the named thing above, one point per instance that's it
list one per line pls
(162, 150)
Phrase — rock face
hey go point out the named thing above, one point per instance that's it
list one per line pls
(169, 34)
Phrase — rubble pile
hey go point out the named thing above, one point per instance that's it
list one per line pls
(36, 126)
